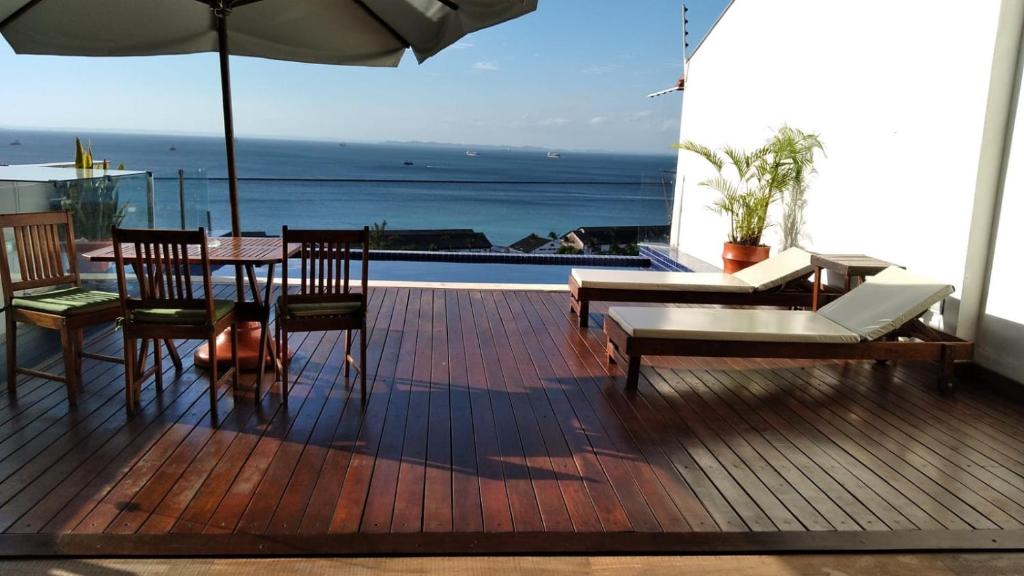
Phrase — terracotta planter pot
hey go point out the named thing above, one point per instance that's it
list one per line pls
(736, 257)
(83, 246)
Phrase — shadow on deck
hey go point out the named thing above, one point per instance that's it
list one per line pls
(491, 424)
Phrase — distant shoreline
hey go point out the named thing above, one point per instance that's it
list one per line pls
(317, 140)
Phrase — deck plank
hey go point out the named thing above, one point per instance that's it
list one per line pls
(340, 490)
(494, 498)
(438, 493)
(489, 416)
(467, 508)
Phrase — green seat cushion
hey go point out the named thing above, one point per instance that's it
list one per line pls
(182, 316)
(314, 309)
(67, 302)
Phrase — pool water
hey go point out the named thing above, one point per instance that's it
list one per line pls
(454, 272)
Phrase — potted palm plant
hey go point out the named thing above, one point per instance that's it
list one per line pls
(798, 148)
(749, 182)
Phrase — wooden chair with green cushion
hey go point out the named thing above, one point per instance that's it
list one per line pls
(45, 259)
(170, 303)
(324, 299)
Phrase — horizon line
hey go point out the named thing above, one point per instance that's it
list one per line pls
(318, 139)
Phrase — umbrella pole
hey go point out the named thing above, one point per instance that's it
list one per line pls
(229, 133)
(250, 334)
(229, 122)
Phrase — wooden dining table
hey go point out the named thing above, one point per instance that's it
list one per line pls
(246, 254)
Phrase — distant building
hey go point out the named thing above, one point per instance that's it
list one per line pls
(443, 240)
(534, 244)
(614, 239)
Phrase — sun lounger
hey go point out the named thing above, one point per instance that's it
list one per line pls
(778, 281)
(880, 320)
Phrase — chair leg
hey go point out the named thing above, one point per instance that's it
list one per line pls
(584, 314)
(212, 339)
(12, 352)
(362, 359)
(234, 360)
(282, 349)
(261, 362)
(348, 354)
(129, 374)
(158, 365)
(633, 373)
(79, 348)
(277, 349)
(67, 343)
(172, 351)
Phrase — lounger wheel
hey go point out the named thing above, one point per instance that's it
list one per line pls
(947, 386)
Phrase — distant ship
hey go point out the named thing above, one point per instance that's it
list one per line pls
(472, 153)
(342, 144)
(407, 163)
(554, 155)
(172, 148)
(16, 143)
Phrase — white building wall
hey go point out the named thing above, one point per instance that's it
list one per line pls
(896, 90)
(1000, 338)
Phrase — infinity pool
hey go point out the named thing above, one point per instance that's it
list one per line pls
(457, 272)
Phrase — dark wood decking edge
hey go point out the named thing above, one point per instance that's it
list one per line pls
(233, 545)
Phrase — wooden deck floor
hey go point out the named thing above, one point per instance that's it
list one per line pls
(492, 424)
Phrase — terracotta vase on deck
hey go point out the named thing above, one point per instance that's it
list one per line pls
(83, 246)
(736, 257)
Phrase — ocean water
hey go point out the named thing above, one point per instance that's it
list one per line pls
(505, 193)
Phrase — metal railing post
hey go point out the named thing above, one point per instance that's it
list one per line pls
(150, 201)
(181, 196)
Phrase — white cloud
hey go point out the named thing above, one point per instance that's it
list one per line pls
(461, 45)
(556, 121)
(596, 120)
(669, 125)
(638, 116)
(487, 66)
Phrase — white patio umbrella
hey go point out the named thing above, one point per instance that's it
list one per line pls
(344, 32)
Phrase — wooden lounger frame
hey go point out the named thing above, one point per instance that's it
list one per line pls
(925, 343)
(795, 293)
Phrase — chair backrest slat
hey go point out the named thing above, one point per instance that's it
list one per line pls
(348, 259)
(45, 250)
(53, 245)
(325, 258)
(19, 241)
(161, 261)
(321, 260)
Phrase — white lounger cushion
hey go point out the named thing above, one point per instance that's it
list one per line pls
(730, 325)
(651, 280)
(775, 271)
(884, 302)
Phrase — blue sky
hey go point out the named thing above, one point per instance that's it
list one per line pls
(572, 75)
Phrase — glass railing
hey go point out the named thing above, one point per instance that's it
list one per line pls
(99, 199)
(180, 202)
(432, 228)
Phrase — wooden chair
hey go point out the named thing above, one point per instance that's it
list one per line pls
(325, 300)
(169, 304)
(45, 250)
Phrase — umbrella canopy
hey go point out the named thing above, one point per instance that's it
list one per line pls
(344, 32)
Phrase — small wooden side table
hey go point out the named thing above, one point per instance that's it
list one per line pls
(848, 266)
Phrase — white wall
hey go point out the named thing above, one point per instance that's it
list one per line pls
(896, 90)
(1000, 337)
(899, 92)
